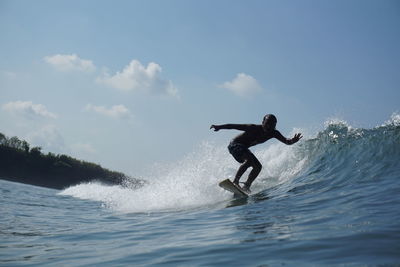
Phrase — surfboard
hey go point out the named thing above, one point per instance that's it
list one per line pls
(231, 187)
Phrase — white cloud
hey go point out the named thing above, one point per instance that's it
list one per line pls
(9, 75)
(243, 85)
(137, 77)
(28, 109)
(117, 111)
(70, 63)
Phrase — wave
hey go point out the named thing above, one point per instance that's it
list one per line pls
(337, 156)
(341, 151)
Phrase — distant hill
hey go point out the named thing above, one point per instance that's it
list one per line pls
(21, 163)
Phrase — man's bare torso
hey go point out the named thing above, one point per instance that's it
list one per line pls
(253, 135)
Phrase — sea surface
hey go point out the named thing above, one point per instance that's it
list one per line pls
(332, 199)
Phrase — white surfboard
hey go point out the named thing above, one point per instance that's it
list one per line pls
(231, 187)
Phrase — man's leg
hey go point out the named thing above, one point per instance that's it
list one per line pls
(253, 162)
(250, 161)
(242, 169)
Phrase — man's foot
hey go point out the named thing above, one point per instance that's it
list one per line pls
(246, 189)
(236, 182)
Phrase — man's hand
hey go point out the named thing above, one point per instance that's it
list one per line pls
(296, 138)
(215, 127)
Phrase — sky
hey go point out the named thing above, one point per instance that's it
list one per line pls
(128, 84)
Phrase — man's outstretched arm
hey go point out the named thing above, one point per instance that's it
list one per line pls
(240, 127)
(287, 141)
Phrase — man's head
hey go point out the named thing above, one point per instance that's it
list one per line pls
(269, 122)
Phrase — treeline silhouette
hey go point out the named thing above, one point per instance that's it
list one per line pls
(22, 163)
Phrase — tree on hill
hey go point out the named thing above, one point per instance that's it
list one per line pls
(22, 163)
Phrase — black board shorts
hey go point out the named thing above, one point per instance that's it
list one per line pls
(238, 151)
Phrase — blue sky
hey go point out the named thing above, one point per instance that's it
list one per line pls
(130, 83)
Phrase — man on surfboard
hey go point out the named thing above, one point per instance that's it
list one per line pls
(253, 134)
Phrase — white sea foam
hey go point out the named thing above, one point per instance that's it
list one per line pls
(192, 181)
(394, 120)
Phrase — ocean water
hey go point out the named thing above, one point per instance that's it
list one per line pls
(331, 199)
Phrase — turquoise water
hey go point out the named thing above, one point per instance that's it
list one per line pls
(330, 200)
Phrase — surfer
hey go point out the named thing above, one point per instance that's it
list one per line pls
(253, 134)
